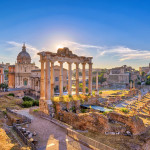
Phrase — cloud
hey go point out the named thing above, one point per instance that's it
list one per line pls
(121, 52)
(80, 49)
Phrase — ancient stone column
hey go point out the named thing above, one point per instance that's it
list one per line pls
(130, 85)
(97, 83)
(47, 81)
(52, 79)
(90, 78)
(83, 78)
(69, 78)
(133, 84)
(61, 79)
(77, 78)
(42, 91)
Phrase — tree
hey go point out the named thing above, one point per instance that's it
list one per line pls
(148, 80)
(4, 86)
(143, 73)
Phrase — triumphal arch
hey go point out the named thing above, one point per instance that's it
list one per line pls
(63, 55)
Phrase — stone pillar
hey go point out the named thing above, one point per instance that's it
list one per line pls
(97, 80)
(83, 78)
(134, 85)
(139, 96)
(61, 79)
(52, 79)
(42, 90)
(90, 78)
(69, 78)
(47, 81)
(33, 84)
(130, 85)
(77, 78)
(97, 83)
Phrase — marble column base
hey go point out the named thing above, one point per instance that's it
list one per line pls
(46, 107)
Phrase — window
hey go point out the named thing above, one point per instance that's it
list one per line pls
(25, 82)
(56, 78)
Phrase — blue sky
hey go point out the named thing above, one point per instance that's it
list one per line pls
(114, 32)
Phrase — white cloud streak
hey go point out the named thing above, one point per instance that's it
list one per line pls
(121, 52)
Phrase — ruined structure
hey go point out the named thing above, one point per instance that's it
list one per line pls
(1, 75)
(47, 83)
(36, 77)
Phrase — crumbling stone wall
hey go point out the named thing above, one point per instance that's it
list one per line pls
(134, 122)
(85, 121)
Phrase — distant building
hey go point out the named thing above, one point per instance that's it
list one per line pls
(5, 66)
(119, 75)
(1, 75)
(144, 69)
(11, 76)
(20, 73)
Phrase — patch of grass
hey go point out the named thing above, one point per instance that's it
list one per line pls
(27, 104)
(124, 110)
(35, 110)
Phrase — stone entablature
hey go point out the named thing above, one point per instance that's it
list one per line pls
(64, 55)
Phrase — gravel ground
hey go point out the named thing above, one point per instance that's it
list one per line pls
(45, 129)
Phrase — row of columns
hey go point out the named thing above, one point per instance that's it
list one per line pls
(48, 81)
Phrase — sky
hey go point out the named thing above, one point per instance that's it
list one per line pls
(113, 32)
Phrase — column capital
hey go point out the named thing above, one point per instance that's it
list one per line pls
(52, 62)
(77, 63)
(61, 62)
(70, 63)
(83, 63)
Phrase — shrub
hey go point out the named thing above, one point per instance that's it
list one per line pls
(100, 92)
(86, 89)
(35, 103)
(125, 110)
(26, 98)
(83, 110)
(69, 96)
(11, 94)
(93, 93)
(4, 112)
(27, 104)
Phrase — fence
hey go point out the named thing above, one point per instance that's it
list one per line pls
(25, 140)
(24, 118)
(87, 141)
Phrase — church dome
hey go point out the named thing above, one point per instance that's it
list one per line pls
(23, 56)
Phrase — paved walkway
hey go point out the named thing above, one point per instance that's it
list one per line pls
(45, 129)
